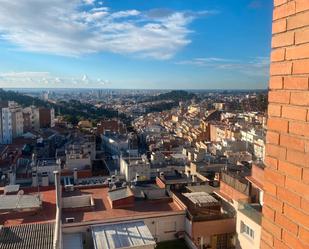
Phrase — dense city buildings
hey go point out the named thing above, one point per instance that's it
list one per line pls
(191, 172)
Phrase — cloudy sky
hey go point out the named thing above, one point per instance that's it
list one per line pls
(202, 44)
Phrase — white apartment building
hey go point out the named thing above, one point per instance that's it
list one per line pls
(52, 118)
(80, 153)
(135, 168)
(248, 227)
(17, 122)
(114, 144)
(6, 126)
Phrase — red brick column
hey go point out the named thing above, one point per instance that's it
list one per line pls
(285, 213)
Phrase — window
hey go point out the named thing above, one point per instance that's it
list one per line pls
(246, 230)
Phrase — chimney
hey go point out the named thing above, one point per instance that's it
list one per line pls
(12, 177)
(193, 178)
(75, 175)
(57, 243)
(45, 179)
(34, 179)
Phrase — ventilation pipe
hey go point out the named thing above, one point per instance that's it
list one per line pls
(57, 243)
(75, 175)
(34, 179)
(12, 177)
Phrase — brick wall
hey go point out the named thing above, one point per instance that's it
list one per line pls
(285, 214)
(232, 192)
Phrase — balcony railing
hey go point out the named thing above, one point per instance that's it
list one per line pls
(251, 210)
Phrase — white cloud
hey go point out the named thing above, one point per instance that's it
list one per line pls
(258, 66)
(46, 79)
(89, 2)
(124, 14)
(76, 27)
(23, 74)
(205, 62)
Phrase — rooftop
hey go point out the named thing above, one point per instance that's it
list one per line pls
(46, 162)
(19, 202)
(11, 189)
(202, 188)
(201, 199)
(120, 193)
(27, 236)
(124, 235)
(45, 214)
(103, 211)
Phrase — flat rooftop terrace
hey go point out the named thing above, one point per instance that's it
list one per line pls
(103, 211)
(46, 213)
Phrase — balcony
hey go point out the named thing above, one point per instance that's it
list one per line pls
(251, 210)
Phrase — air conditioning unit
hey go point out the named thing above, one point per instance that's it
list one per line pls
(69, 220)
(69, 188)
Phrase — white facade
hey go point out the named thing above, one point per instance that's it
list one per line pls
(17, 122)
(6, 126)
(52, 117)
(114, 145)
(78, 161)
(162, 227)
(135, 168)
(248, 136)
(259, 149)
(248, 232)
(80, 154)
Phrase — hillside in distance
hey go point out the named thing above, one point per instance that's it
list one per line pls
(175, 96)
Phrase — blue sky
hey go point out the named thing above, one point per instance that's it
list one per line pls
(157, 44)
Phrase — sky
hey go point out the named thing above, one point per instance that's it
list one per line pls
(140, 44)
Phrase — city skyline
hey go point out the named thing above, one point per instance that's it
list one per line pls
(158, 45)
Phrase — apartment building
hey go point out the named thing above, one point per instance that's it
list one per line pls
(112, 125)
(208, 224)
(12, 122)
(137, 169)
(80, 217)
(243, 191)
(31, 118)
(249, 215)
(17, 121)
(46, 117)
(6, 126)
(79, 152)
(114, 143)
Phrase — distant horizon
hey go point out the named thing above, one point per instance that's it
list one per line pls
(129, 89)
